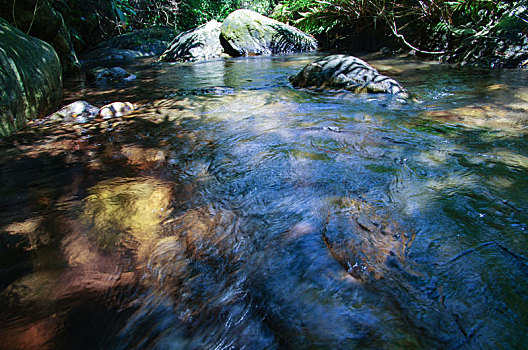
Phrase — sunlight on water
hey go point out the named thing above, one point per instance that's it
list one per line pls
(234, 211)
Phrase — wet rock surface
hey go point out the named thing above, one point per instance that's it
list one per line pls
(108, 55)
(247, 33)
(346, 72)
(114, 74)
(116, 109)
(82, 112)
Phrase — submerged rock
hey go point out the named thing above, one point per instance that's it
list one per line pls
(363, 239)
(346, 72)
(30, 78)
(509, 119)
(247, 33)
(100, 75)
(202, 43)
(127, 209)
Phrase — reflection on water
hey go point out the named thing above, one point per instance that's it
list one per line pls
(233, 211)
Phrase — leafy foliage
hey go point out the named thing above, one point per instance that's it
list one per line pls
(181, 14)
(404, 18)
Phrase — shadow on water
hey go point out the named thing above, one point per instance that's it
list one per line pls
(233, 211)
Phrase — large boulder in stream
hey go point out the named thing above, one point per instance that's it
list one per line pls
(202, 43)
(247, 33)
(146, 42)
(149, 41)
(30, 78)
(346, 72)
(41, 20)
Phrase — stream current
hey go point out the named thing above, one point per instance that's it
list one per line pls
(232, 211)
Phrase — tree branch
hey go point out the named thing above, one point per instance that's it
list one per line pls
(398, 35)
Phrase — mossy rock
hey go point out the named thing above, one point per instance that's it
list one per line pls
(30, 78)
(247, 33)
(202, 43)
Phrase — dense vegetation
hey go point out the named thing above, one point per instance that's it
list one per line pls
(485, 32)
(429, 26)
(454, 29)
(182, 14)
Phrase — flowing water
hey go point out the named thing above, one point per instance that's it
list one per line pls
(232, 211)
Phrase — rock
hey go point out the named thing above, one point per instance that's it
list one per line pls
(42, 21)
(108, 54)
(511, 118)
(140, 43)
(116, 109)
(79, 111)
(247, 33)
(114, 74)
(346, 72)
(144, 158)
(202, 43)
(30, 78)
(121, 209)
(362, 238)
(150, 41)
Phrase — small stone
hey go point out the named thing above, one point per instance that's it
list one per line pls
(116, 109)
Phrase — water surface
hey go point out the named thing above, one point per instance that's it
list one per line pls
(233, 211)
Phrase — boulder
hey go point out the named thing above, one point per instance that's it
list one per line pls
(202, 43)
(247, 33)
(41, 20)
(139, 43)
(30, 78)
(78, 111)
(108, 55)
(149, 41)
(346, 72)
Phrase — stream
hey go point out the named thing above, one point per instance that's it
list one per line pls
(232, 211)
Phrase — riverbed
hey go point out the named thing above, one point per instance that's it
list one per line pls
(232, 211)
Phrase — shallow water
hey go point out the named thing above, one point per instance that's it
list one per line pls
(233, 211)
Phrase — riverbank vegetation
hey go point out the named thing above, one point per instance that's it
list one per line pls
(481, 32)
(472, 31)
